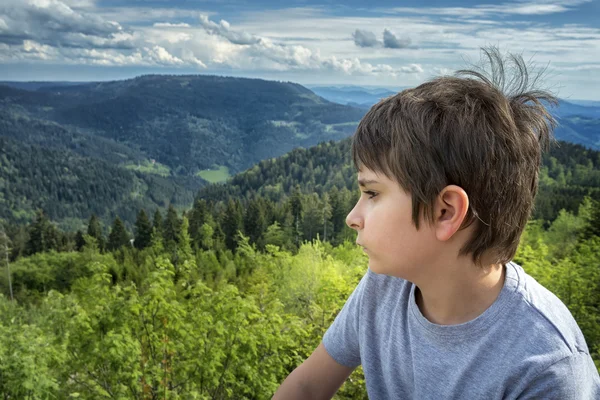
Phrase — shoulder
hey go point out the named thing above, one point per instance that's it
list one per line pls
(573, 377)
(548, 344)
(546, 316)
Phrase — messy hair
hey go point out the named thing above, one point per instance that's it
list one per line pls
(481, 130)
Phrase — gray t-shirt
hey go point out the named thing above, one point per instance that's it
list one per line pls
(526, 345)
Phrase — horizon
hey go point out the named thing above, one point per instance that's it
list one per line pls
(309, 42)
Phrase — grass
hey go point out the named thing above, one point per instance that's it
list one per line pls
(149, 167)
(214, 176)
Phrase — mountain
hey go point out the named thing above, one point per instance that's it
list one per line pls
(191, 124)
(362, 97)
(111, 148)
(70, 187)
(579, 121)
(569, 172)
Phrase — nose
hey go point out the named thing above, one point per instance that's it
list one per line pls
(354, 220)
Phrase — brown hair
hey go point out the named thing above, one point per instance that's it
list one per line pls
(483, 133)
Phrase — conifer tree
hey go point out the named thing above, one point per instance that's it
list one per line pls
(296, 205)
(157, 225)
(592, 227)
(171, 227)
(255, 223)
(43, 235)
(95, 231)
(338, 211)
(118, 236)
(198, 217)
(185, 245)
(232, 223)
(79, 240)
(143, 231)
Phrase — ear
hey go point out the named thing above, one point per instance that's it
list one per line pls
(450, 209)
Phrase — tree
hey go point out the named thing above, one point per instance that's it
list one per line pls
(592, 227)
(95, 231)
(43, 235)
(171, 227)
(255, 222)
(4, 255)
(79, 240)
(143, 231)
(313, 216)
(157, 226)
(118, 236)
(296, 205)
(232, 223)
(198, 217)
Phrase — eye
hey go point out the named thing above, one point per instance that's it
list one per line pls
(370, 193)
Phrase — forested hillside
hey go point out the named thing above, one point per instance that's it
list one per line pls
(146, 142)
(182, 316)
(579, 121)
(569, 173)
(190, 123)
(222, 300)
(70, 187)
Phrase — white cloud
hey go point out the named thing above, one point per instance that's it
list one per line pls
(517, 8)
(169, 25)
(306, 43)
(53, 22)
(224, 29)
(259, 51)
(136, 16)
(390, 41)
(364, 38)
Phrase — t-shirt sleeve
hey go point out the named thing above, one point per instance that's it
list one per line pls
(342, 338)
(572, 378)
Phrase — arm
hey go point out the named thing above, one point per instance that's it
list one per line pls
(573, 378)
(319, 377)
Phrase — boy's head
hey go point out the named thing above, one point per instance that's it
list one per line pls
(483, 134)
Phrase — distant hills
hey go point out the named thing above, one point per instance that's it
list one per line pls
(190, 124)
(358, 96)
(111, 148)
(579, 120)
(148, 141)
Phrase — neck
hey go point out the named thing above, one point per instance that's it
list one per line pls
(459, 295)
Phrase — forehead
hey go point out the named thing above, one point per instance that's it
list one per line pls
(366, 176)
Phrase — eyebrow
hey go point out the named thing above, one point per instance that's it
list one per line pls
(365, 182)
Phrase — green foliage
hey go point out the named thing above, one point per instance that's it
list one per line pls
(143, 231)
(213, 176)
(118, 237)
(49, 178)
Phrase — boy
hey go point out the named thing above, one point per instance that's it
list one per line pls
(449, 174)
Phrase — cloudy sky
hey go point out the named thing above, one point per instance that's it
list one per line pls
(381, 43)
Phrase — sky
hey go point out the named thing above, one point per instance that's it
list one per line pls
(389, 44)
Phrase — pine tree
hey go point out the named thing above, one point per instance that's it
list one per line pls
(171, 227)
(118, 236)
(185, 246)
(296, 205)
(157, 225)
(79, 240)
(255, 223)
(143, 231)
(592, 227)
(95, 231)
(43, 235)
(232, 223)
(198, 217)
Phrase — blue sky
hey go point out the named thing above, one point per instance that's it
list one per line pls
(379, 43)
